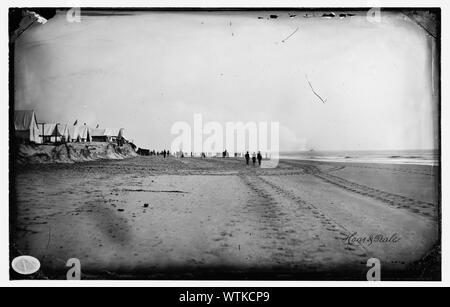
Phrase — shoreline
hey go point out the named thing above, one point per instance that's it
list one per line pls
(390, 163)
(343, 160)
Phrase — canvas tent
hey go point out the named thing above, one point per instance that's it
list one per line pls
(106, 135)
(63, 130)
(112, 134)
(25, 125)
(79, 133)
(49, 133)
(122, 133)
(98, 135)
(84, 133)
(73, 133)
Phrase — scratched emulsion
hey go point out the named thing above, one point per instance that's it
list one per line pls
(334, 80)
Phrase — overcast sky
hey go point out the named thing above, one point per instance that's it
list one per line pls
(146, 71)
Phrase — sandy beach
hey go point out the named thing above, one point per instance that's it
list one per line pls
(214, 218)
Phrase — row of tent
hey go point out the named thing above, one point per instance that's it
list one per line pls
(27, 129)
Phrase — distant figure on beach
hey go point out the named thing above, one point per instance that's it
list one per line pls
(259, 157)
(247, 157)
(254, 158)
(168, 154)
(164, 153)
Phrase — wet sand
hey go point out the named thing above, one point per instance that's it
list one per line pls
(155, 218)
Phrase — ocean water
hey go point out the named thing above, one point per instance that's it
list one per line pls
(415, 157)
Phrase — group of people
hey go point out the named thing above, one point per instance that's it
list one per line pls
(164, 153)
(225, 154)
(254, 158)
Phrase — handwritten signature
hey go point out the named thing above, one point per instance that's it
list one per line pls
(372, 239)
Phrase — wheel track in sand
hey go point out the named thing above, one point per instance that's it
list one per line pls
(309, 211)
(428, 210)
(326, 221)
(271, 221)
(393, 170)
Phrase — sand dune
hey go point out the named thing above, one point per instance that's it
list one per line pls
(72, 152)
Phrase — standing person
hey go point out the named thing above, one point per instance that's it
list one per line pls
(168, 154)
(247, 157)
(259, 157)
(254, 158)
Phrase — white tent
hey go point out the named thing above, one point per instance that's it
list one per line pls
(98, 135)
(49, 129)
(84, 133)
(79, 133)
(98, 132)
(26, 127)
(122, 133)
(112, 132)
(50, 132)
(63, 130)
(73, 133)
